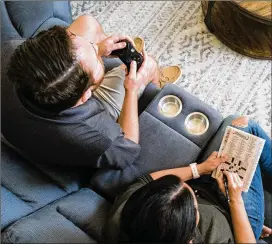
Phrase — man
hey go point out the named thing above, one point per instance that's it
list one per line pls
(64, 110)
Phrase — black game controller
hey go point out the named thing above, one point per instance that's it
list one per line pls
(129, 54)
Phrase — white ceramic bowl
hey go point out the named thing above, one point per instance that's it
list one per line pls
(170, 106)
(197, 123)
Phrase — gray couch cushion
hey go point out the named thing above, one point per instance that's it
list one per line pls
(77, 218)
(12, 207)
(8, 31)
(190, 104)
(213, 144)
(26, 188)
(162, 148)
(50, 23)
(28, 16)
(165, 142)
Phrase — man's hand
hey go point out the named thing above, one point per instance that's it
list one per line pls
(235, 186)
(112, 43)
(144, 75)
(150, 70)
(211, 163)
(133, 80)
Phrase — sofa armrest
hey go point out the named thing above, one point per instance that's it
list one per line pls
(165, 143)
(24, 18)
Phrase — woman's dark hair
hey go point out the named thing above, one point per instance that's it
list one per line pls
(162, 212)
(46, 71)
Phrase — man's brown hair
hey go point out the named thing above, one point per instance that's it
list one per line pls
(46, 71)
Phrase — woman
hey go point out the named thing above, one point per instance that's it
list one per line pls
(162, 208)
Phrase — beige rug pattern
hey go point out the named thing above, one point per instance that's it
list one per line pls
(175, 33)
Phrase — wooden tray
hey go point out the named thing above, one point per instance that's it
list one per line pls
(245, 27)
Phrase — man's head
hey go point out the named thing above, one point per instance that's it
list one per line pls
(56, 70)
(164, 210)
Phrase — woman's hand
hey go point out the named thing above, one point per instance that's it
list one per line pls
(111, 43)
(211, 163)
(266, 232)
(235, 186)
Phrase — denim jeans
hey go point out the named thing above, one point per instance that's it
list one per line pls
(254, 198)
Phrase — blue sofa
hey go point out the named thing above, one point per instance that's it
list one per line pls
(41, 204)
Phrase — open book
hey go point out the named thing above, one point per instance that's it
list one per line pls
(243, 151)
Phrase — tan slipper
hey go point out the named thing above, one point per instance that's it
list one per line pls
(169, 74)
(139, 44)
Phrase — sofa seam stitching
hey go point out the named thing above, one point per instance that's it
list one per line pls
(64, 216)
(40, 25)
(10, 19)
(149, 105)
(38, 169)
(174, 130)
(15, 194)
(16, 222)
(51, 16)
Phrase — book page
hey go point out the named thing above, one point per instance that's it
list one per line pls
(243, 150)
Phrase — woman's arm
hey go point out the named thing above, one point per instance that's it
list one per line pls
(185, 173)
(243, 232)
(242, 229)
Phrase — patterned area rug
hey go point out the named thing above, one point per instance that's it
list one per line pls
(175, 33)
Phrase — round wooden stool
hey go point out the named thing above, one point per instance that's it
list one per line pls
(245, 27)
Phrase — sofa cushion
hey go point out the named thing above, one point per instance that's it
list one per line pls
(170, 150)
(50, 23)
(190, 104)
(164, 141)
(213, 144)
(77, 218)
(8, 31)
(28, 188)
(27, 16)
(12, 207)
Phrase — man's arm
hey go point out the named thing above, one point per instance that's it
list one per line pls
(89, 28)
(128, 119)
